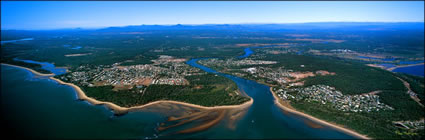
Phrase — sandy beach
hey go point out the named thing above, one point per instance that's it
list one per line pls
(33, 71)
(120, 110)
(292, 110)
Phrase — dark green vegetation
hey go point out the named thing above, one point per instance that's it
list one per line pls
(356, 78)
(351, 77)
(205, 90)
(416, 85)
(141, 44)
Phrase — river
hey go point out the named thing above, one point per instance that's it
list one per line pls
(12, 41)
(417, 70)
(55, 113)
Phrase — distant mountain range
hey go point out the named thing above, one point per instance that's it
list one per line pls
(294, 26)
(256, 27)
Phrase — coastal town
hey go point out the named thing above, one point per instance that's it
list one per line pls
(215, 62)
(165, 70)
(328, 95)
(290, 85)
(213, 70)
(280, 75)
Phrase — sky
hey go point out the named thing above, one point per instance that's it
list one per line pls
(97, 14)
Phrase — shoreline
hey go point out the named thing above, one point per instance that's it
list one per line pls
(393, 68)
(294, 111)
(402, 66)
(122, 110)
(31, 70)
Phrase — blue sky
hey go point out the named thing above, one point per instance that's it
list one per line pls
(92, 14)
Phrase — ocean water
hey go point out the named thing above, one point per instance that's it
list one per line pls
(39, 107)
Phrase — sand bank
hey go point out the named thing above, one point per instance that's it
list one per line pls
(292, 110)
(120, 110)
(33, 71)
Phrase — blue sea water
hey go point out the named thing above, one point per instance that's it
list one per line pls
(38, 107)
(55, 113)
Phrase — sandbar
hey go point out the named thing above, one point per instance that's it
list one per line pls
(119, 109)
(33, 71)
(122, 110)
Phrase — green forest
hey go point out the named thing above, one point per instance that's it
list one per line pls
(213, 91)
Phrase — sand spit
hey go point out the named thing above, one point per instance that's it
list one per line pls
(33, 71)
(292, 110)
(392, 68)
(120, 110)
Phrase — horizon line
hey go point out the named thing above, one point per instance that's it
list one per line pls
(243, 23)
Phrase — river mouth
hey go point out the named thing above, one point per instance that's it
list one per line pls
(261, 119)
(264, 119)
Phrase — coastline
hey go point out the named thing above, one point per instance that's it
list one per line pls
(294, 111)
(392, 68)
(122, 110)
(31, 70)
